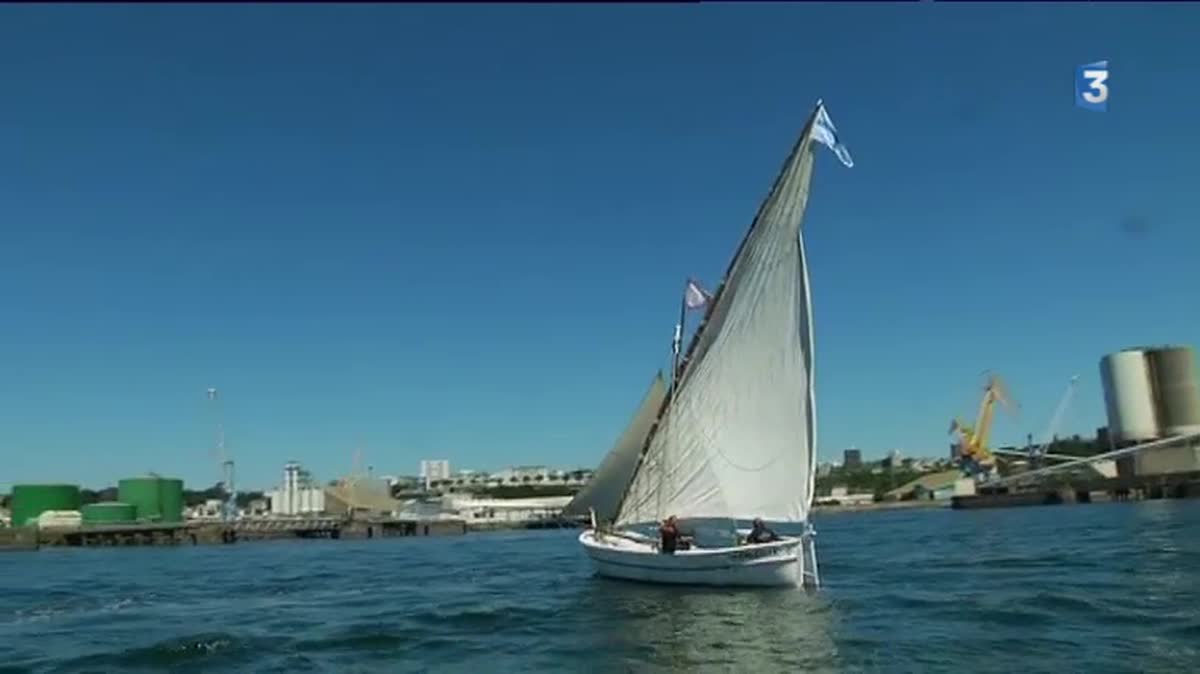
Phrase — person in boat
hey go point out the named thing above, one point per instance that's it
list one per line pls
(759, 533)
(670, 537)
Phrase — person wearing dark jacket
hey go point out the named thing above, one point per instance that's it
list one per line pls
(759, 533)
(669, 535)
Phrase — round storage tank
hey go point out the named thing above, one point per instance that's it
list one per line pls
(111, 512)
(1178, 393)
(144, 494)
(31, 500)
(171, 499)
(1129, 396)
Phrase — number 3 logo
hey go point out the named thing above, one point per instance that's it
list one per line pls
(1096, 79)
(1091, 86)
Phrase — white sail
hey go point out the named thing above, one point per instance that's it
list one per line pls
(603, 492)
(738, 437)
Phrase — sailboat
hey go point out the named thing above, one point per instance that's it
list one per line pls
(734, 437)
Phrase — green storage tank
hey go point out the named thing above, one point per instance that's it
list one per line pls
(170, 499)
(144, 494)
(31, 500)
(110, 512)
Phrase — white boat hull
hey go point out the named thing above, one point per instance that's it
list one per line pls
(776, 564)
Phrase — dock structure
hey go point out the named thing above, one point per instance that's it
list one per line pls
(1062, 483)
(197, 533)
(20, 538)
(1173, 485)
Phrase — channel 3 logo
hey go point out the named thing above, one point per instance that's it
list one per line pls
(1091, 86)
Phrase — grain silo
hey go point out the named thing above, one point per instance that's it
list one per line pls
(1129, 398)
(144, 494)
(1176, 390)
(31, 500)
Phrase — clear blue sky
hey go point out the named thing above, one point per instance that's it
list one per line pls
(460, 231)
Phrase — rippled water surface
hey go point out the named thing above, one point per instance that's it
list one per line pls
(1104, 587)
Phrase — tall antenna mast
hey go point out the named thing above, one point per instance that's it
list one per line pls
(224, 464)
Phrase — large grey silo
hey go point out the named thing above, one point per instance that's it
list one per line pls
(1176, 389)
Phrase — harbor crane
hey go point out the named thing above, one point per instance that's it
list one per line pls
(973, 453)
(1056, 420)
(1040, 453)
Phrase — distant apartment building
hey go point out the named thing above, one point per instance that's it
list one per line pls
(852, 458)
(892, 460)
(434, 470)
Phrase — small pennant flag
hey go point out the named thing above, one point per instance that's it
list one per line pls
(825, 133)
(695, 297)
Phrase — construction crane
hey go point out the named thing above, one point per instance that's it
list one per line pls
(973, 453)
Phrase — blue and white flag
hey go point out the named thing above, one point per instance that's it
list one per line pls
(694, 296)
(825, 133)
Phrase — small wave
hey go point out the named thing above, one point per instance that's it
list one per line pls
(176, 652)
(1079, 605)
(369, 639)
(72, 606)
(1190, 632)
(482, 618)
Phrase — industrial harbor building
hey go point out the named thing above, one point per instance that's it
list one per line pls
(1152, 394)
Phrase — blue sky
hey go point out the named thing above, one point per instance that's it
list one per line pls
(460, 231)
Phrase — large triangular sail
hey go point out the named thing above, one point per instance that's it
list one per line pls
(603, 492)
(737, 438)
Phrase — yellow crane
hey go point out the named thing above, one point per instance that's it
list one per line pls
(973, 449)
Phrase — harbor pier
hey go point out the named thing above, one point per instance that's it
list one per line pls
(204, 533)
(1132, 488)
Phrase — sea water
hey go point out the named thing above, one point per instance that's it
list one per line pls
(1072, 588)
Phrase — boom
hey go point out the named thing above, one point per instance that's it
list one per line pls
(1056, 420)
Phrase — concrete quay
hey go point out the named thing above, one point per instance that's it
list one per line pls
(1173, 485)
(198, 533)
